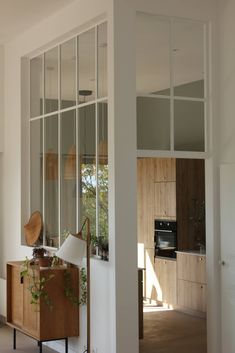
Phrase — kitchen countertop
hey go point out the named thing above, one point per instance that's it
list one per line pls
(192, 252)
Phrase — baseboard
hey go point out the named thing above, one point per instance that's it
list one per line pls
(187, 311)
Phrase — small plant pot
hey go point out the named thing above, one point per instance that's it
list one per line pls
(44, 261)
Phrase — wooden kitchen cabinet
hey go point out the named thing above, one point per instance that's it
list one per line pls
(192, 267)
(39, 321)
(164, 170)
(165, 200)
(190, 203)
(192, 296)
(191, 283)
(145, 201)
(165, 271)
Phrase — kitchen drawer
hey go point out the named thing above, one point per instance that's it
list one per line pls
(191, 267)
(192, 296)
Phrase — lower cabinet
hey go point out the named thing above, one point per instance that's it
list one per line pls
(191, 283)
(165, 271)
(192, 296)
(41, 321)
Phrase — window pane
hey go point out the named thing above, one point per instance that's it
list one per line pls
(36, 86)
(87, 165)
(86, 66)
(102, 60)
(51, 80)
(103, 170)
(68, 172)
(68, 74)
(189, 126)
(188, 59)
(51, 181)
(152, 55)
(36, 166)
(153, 123)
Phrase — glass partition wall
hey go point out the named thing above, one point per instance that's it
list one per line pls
(69, 136)
(170, 84)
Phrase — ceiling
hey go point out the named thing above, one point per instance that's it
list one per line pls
(17, 16)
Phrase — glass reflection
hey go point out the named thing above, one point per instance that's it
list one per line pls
(68, 74)
(189, 126)
(153, 123)
(188, 59)
(36, 166)
(36, 86)
(86, 66)
(152, 55)
(51, 80)
(102, 60)
(51, 181)
(87, 165)
(103, 171)
(68, 172)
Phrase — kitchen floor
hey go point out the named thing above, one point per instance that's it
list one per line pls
(169, 331)
(24, 344)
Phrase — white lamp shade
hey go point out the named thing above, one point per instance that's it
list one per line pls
(73, 250)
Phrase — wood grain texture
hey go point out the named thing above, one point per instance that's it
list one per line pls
(166, 277)
(190, 203)
(164, 170)
(192, 296)
(165, 200)
(38, 321)
(191, 268)
(14, 295)
(145, 201)
(191, 282)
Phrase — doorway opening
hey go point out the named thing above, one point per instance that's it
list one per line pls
(172, 265)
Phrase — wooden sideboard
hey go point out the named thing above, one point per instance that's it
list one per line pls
(40, 321)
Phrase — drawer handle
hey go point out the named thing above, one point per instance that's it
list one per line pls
(201, 287)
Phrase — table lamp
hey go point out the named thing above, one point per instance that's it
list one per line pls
(73, 250)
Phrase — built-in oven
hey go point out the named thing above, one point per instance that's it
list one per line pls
(165, 238)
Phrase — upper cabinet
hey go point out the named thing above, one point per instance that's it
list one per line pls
(164, 170)
(170, 84)
(145, 201)
(190, 203)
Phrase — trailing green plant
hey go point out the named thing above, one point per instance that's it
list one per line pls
(69, 291)
(36, 284)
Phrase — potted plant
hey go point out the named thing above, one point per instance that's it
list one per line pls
(40, 258)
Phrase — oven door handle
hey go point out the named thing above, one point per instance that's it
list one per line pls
(165, 231)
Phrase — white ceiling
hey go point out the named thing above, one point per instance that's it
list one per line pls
(17, 16)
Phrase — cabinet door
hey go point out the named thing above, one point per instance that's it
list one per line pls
(171, 288)
(166, 279)
(14, 296)
(191, 268)
(31, 311)
(160, 270)
(192, 296)
(165, 200)
(145, 201)
(164, 170)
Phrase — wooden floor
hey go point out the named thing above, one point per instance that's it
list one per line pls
(24, 344)
(173, 332)
(164, 332)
